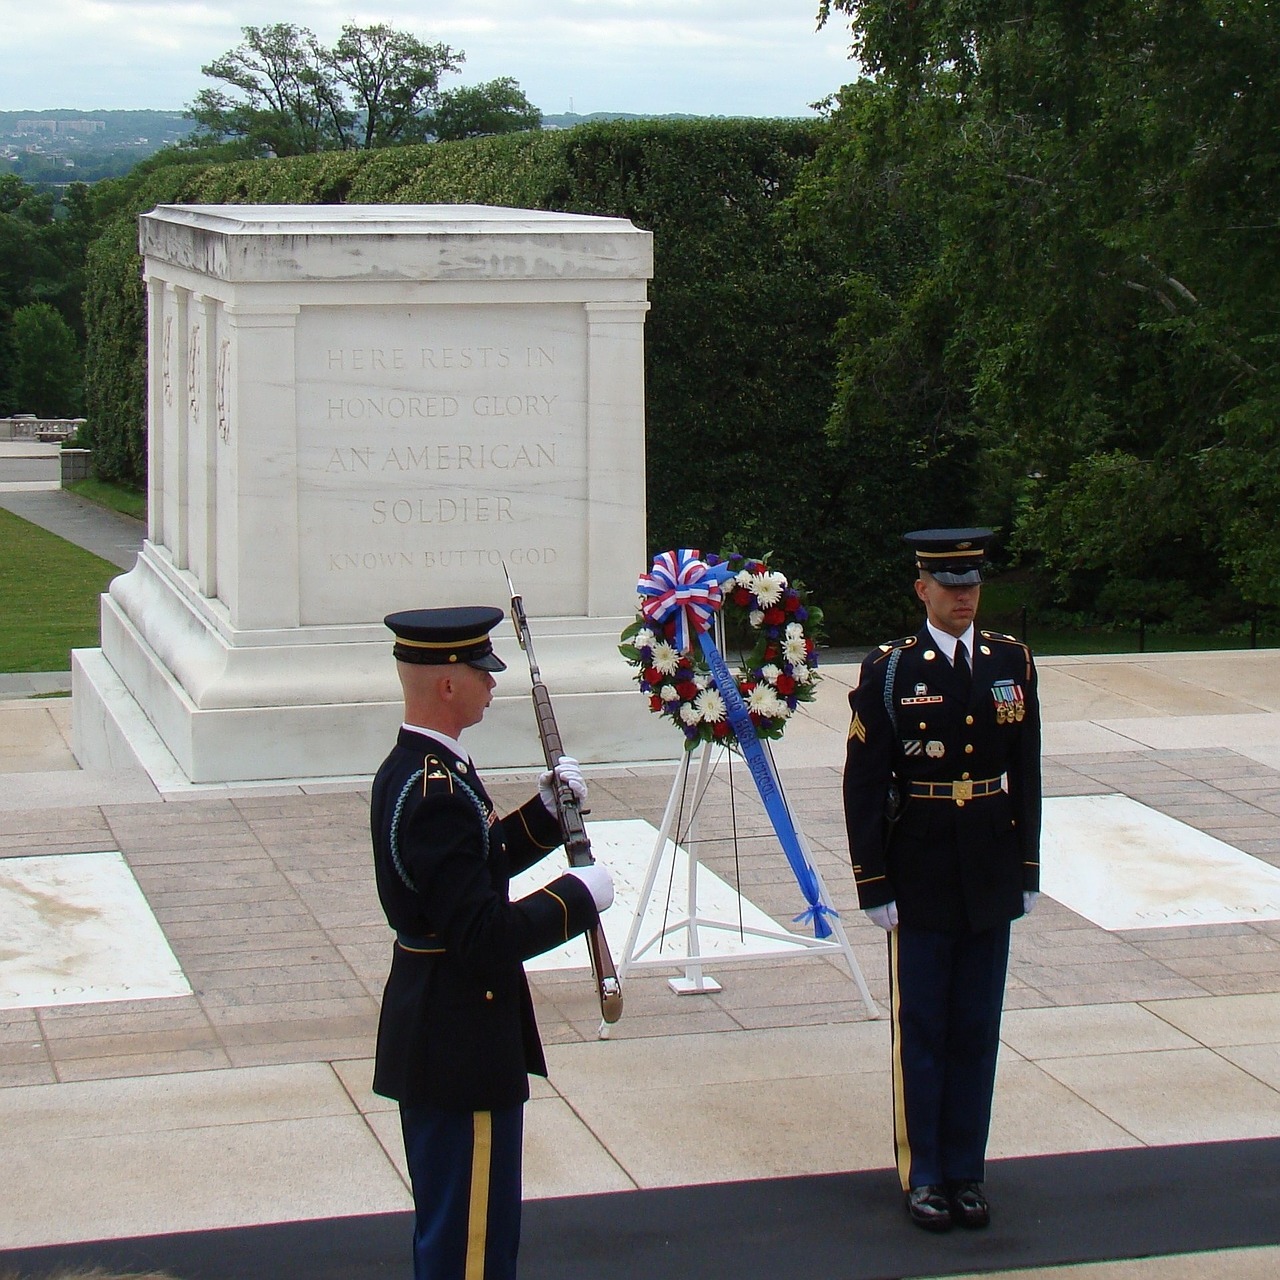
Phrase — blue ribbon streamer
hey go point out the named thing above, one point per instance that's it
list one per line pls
(770, 790)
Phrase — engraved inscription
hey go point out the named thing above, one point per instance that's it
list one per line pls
(514, 456)
(440, 439)
(451, 558)
(469, 510)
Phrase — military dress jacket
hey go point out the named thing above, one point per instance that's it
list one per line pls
(457, 1027)
(966, 764)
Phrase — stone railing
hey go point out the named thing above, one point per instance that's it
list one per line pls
(46, 430)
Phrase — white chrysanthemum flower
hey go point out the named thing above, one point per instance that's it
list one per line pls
(761, 700)
(668, 693)
(768, 587)
(710, 705)
(794, 630)
(800, 673)
(756, 618)
(665, 658)
(794, 650)
(690, 714)
(644, 638)
(770, 672)
(742, 578)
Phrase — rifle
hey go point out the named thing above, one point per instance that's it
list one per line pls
(576, 842)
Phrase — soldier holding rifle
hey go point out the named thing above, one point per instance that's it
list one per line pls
(457, 1037)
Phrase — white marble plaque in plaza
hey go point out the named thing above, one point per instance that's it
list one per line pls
(626, 848)
(359, 409)
(76, 929)
(1123, 865)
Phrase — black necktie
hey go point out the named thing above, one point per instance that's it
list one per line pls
(962, 665)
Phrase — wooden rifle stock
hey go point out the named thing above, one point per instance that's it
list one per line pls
(569, 811)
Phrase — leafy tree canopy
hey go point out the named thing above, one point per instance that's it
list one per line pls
(1056, 224)
(46, 364)
(286, 94)
(477, 111)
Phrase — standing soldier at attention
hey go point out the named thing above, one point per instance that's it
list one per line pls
(457, 1038)
(942, 806)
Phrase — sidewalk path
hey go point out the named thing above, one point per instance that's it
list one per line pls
(116, 538)
(248, 1100)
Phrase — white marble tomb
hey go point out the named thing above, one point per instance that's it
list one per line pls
(357, 409)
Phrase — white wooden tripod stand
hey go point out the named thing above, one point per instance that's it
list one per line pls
(692, 924)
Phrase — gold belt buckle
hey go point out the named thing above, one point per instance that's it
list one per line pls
(962, 790)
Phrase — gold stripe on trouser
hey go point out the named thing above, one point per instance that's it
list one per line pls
(901, 1139)
(478, 1217)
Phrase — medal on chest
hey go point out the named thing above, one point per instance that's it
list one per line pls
(1011, 707)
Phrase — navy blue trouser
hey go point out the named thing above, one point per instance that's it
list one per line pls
(465, 1168)
(946, 992)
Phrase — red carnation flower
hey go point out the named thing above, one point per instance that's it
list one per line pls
(741, 596)
(774, 617)
(687, 690)
(655, 703)
(785, 684)
(652, 675)
(792, 602)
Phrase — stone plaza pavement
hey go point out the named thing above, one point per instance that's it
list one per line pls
(248, 1100)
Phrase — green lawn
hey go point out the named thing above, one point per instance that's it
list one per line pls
(1001, 611)
(49, 593)
(131, 502)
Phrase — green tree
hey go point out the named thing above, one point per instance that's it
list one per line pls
(476, 111)
(1056, 220)
(290, 102)
(289, 95)
(394, 79)
(41, 260)
(46, 362)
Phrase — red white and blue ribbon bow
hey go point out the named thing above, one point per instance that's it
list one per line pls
(682, 587)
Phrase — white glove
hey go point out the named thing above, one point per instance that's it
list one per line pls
(569, 771)
(886, 917)
(598, 881)
(1029, 897)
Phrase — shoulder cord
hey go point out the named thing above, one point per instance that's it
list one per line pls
(394, 841)
(890, 671)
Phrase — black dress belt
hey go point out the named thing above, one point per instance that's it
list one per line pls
(428, 946)
(959, 791)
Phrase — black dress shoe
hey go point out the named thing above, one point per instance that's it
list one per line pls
(929, 1208)
(968, 1204)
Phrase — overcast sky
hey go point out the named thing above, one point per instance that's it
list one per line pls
(705, 57)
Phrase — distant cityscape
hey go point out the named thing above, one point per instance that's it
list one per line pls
(55, 148)
(52, 149)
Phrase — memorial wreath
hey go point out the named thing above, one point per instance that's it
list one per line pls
(769, 615)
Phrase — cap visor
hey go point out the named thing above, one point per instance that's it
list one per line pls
(970, 578)
(488, 662)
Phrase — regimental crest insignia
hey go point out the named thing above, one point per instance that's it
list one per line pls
(935, 750)
(921, 690)
(857, 729)
(1011, 705)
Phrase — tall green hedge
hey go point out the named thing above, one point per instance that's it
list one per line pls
(739, 364)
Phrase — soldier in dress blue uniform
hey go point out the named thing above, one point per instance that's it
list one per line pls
(942, 806)
(457, 1038)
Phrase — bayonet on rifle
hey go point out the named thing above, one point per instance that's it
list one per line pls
(576, 841)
